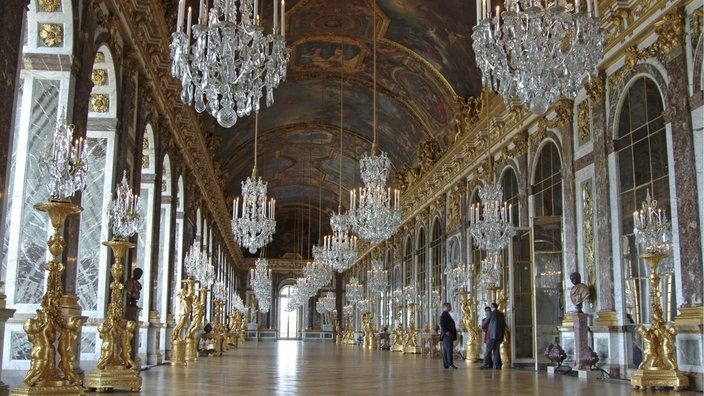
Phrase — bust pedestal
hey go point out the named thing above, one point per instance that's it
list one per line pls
(581, 339)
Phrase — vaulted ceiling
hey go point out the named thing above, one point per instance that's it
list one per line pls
(424, 63)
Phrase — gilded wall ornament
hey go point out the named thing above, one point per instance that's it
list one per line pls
(52, 35)
(583, 124)
(453, 211)
(145, 161)
(596, 88)
(670, 31)
(49, 5)
(99, 103)
(99, 57)
(145, 144)
(588, 231)
(99, 77)
(429, 152)
(163, 186)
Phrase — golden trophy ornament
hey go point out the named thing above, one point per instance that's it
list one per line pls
(45, 377)
(178, 345)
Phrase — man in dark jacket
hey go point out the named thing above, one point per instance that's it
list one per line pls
(448, 335)
(495, 335)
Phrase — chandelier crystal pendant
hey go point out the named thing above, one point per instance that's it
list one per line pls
(124, 211)
(230, 61)
(651, 227)
(374, 212)
(66, 163)
(261, 283)
(538, 51)
(256, 225)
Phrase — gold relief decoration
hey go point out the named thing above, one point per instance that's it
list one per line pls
(467, 114)
(563, 115)
(670, 31)
(407, 176)
(583, 122)
(49, 5)
(99, 77)
(453, 211)
(588, 230)
(52, 34)
(99, 103)
(429, 152)
(145, 143)
(596, 88)
(163, 186)
(99, 57)
(145, 161)
(697, 16)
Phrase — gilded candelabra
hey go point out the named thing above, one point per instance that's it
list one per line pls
(398, 333)
(198, 312)
(233, 330)
(411, 344)
(50, 325)
(348, 337)
(659, 366)
(178, 344)
(115, 368)
(505, 347)
(469, 322)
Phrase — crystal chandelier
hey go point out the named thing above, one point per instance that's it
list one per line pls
(375, 214)
(651, 227)
(237, 303)
(219, 290)
(490, 272)
(230, 61)
(66, 163)
(256, 226)
(318, 273)
(192, 260)
(354, 291)
(377, 278)
(538, 50)
(456, 278)
(364, 306)
(493, 230)
(124, 211)
(260, 278)
(198, 266)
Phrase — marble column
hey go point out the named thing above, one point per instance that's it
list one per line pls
(602, 206)
(678, 115)
(154, 356)
(12, 14)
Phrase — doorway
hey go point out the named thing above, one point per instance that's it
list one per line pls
(288, 320)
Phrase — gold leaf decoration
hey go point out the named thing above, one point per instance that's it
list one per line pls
(99, 57)
(99, 103)
(145, 144)
(49, 5)
(52, 35)
(145, 161)
(583, 124)
(99, 76)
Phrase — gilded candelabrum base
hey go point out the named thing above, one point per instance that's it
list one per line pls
(505, 352)
(178, 353)
(113, 377)
(57, 389)
(659, 377)
(191, 350)
(472, 350)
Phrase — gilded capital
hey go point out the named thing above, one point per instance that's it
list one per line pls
(670, 31)
(596, 87)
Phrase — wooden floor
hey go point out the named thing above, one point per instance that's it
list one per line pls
(297, 368)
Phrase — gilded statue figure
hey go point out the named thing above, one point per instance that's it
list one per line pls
(183, 315)
(126, 344)
(469, 320)
(651, 347)
(66, 341)
(40, 359)
(198, 311)
(109, 347)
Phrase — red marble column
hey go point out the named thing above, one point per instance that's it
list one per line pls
(689, 225)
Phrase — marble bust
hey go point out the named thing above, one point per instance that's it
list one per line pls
(580, 292)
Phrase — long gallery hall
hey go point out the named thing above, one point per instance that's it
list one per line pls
(351, 196)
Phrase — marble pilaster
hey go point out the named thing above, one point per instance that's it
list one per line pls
(154, 356)
(602, 207)
(5, 314)
(689, 220)
(569, 206)
(11, 20)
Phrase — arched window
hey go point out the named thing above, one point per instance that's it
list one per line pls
(164, 244)
(145, 238)
(436, 254)
(422, 276)
(509, 183)
(547, 245)
(408, 263)
(178, 252)
(641, 149)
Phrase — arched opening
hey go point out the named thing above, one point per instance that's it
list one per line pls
(289, 323)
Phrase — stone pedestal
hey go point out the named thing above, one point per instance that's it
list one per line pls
(581, 338)
(5, 314)
(154, 356)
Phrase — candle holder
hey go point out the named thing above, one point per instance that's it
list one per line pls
(411, 344)
(659, 367)
(115, 368)
(399, 333)
(66, 164)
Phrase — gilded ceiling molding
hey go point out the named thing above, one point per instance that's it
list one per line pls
(622, 18)
(467, 113)
(670, 34)
(429, 153)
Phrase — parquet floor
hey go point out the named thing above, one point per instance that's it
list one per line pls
(298, 368)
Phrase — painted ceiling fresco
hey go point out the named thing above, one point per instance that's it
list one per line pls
(424, 62)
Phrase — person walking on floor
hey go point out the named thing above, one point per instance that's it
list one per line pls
(495, 335)
(448, 335)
